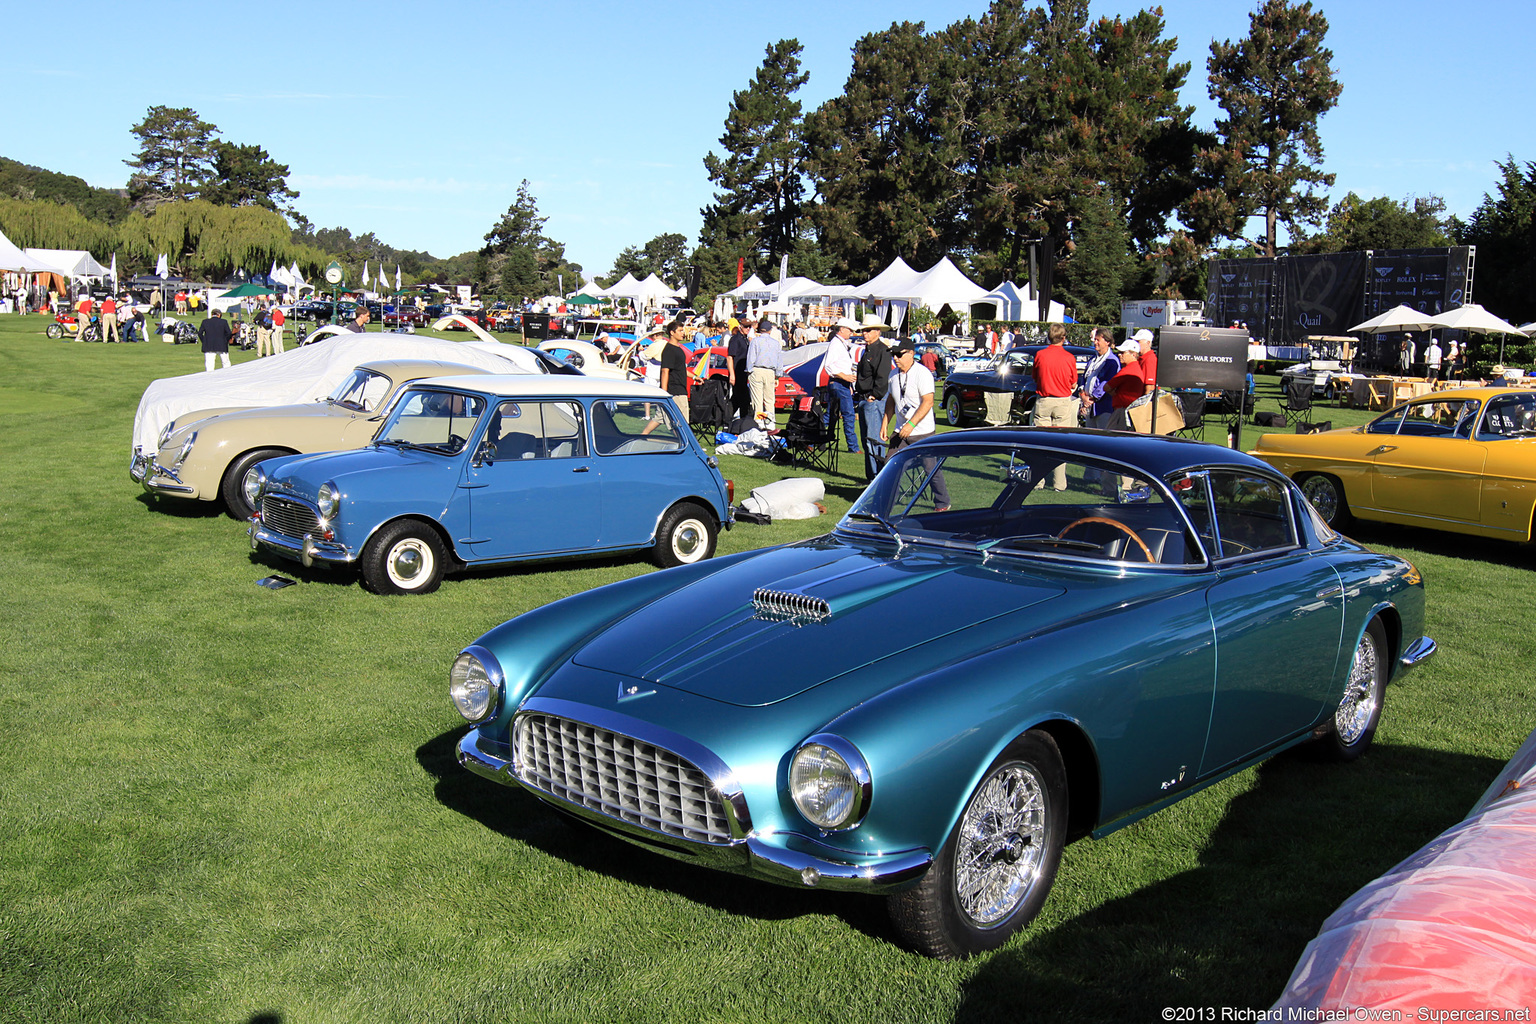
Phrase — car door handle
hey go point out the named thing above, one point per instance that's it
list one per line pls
(1381, 450)
(1328, 592)
(581, 469)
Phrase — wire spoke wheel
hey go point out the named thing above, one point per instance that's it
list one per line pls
(1001, 844)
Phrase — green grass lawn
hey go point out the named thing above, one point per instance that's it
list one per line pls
(224, 803)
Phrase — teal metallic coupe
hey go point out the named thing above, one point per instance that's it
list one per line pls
(1014, 638)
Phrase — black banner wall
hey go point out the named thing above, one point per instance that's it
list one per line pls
(1240, 293)
(1322, 295)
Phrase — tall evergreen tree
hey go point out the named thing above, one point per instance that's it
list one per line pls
(1273, 85)
(1504, 230)
(248, 176)
(666, 256)
(518, 259)
(175, 157)
(758, 182)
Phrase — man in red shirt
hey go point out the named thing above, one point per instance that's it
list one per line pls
(1147, 358)
(82, 314)
(109, 331)
(1055, 385)
(278, 319)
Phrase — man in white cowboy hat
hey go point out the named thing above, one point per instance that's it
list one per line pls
(843, 375)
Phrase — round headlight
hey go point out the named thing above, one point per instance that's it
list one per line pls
(328, 500)
(165, 435)
(254, 483)
(829, 782)
(473, 682)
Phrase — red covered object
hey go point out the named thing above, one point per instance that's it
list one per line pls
(1452, 927)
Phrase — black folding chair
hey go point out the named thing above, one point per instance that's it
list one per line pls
(1297, 402)
(808, 440)
(1193, 400)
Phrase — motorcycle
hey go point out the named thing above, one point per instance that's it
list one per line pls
(68, 324)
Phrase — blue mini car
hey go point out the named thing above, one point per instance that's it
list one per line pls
(1014, 638)
(485, 470)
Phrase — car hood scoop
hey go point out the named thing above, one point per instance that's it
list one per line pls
(774, 625)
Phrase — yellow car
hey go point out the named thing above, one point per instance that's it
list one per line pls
(1462, 460)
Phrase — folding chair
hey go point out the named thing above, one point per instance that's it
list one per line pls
(1193, 400)
(1297, 402)
(807, 438)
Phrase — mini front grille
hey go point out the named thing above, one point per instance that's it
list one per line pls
(781, 604)
(288, 517)
(621, 777)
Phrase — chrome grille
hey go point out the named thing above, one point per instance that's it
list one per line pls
(621, 777)
(782, 604)
(289, 517)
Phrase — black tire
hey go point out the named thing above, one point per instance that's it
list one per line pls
(954, 409)
(232, 487)
(1353, 726)
(989, 880)
(90, 332)
(404, 557)
(686, 535)
(54, 331)
(1326, 493)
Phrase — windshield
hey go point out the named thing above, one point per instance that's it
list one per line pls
(435, 420)
(363, 390)
(1022, 502)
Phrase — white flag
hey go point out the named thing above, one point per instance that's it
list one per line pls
(365, 275)
(383, 281)
(161, 269)
(114, 270)
(397, 277)
(272, 274)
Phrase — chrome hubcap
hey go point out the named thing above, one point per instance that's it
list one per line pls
(689, 540)
(1322, 496)
(1361, 695)
(1000, 844)
(408, 562)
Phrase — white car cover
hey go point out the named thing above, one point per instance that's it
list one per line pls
(307, 374)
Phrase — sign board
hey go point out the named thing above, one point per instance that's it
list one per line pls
(464, 292)
(1213, 358)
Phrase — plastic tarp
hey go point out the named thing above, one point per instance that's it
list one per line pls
(307, 374)
(1452, 927)
(77, 263)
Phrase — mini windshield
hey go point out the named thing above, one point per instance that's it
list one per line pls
(1023, 502)
(363, 390)
(435, 420)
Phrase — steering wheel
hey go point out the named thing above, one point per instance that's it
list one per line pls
(1109, 522)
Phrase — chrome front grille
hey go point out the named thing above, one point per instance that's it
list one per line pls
(289, 517)
(619, 776)
(782, 604)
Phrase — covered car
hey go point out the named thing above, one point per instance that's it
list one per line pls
(1014, 638)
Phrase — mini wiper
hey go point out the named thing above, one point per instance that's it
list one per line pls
(393, 442)
(1044, 540)
(876, 517)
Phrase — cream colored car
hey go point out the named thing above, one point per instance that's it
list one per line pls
(206, 458)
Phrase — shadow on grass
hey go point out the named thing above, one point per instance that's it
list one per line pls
(181, 508)
(1228, 933)
(350, 576)
(516, 814)
(1446, 545)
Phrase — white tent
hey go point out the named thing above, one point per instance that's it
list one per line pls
(940, 285)
(894, 282)
(14, 259)
(77, 264)
(751, 287)
(653, 291)
(625, 287)
(1012, 301)
(307, 374)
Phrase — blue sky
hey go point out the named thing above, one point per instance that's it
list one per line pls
(418, 121)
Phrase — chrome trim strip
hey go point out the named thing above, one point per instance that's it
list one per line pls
(305, 550)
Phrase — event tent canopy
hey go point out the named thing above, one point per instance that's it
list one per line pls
(77, 264)
(751, 286)
(14, 259)
(1013, 301)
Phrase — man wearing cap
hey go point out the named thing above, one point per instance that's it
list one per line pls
(842, 375)
(1055, 374)
(215, 335)
(1127, 385)
(869, 391)
(765, 363)
(909, 413)
(1147, 358)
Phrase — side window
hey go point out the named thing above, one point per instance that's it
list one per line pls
(1252, 513)
(538, 430)
(1508, 416)
(1387, 423)
(1192, 493)
(629, 428)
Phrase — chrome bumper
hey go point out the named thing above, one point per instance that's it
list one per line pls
(306, 550)
(1417, 653)
(155, 478)
(787, 858)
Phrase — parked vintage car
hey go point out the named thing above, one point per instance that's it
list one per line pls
(476, 471)
(965, 392)
(403, 316)
(973, 668)
(206, 458)
(1461, 460)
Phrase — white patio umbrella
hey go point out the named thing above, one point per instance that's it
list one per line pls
(1478, 320)
(1398, 318)
(1528, 329)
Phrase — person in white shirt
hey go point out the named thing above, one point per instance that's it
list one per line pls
(1432, 356)
(909, 413)
(842, 374)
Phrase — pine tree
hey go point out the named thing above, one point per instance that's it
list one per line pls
(518, 259)
(174, 159)
(1273, 85)
(248, 176)
(759, 187)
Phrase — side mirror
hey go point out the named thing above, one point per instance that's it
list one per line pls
(485, 455)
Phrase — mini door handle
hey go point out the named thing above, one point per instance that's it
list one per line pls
(1330, 592)
(1382, 450)
(581, 469)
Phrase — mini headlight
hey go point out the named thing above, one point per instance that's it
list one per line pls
(474, 682)
(829, 782)
(186, 448)
(254, 483)
(165, 435)
(328, 500)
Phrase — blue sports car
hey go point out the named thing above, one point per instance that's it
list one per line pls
(1014, 638)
